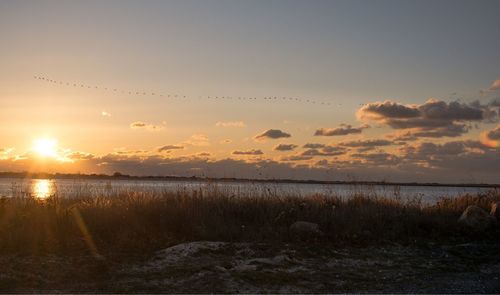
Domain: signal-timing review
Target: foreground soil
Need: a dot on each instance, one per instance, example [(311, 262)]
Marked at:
[(209, 267)]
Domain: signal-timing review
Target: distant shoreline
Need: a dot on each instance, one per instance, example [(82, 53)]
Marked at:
[(119, 176)]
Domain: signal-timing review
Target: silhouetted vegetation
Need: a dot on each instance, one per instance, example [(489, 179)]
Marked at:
[(144, 222)]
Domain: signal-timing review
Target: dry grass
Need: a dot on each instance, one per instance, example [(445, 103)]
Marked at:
[(141, 222)]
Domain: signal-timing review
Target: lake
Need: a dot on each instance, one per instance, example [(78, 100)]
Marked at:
[(43, 188)]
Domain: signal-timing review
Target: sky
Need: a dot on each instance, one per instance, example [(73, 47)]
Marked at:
[(365, 90)]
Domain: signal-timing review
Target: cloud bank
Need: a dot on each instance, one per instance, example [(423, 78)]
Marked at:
[(285, 147), (248, 153), (457, 161), (170, 147), (272, 134), (344, 129), (434, 118)]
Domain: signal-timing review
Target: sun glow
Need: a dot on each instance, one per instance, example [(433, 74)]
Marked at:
[(489, 142), (45, 147), (42, 189)]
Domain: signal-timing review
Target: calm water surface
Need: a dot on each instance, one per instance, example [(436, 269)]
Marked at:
[(43, 188)]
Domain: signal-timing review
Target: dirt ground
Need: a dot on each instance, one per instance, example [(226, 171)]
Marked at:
[(218, 267)]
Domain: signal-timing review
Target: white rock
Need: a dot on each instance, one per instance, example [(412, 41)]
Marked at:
[(173, 255)]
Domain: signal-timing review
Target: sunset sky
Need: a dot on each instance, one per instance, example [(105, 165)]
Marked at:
[(365, 90)]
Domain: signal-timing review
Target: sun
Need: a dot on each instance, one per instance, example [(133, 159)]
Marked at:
[(45, 147)]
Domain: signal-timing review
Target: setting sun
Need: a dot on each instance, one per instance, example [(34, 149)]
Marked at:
[(267, 146), (45, 147)]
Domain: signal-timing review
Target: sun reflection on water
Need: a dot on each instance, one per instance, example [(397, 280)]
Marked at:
[(42, 189)]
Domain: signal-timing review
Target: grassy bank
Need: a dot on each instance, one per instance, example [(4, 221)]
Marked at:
[(145, 222)]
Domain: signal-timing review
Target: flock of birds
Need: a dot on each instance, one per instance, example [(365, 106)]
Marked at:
[(179, 96)]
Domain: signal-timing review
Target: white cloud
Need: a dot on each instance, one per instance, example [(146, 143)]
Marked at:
[(237, 124)]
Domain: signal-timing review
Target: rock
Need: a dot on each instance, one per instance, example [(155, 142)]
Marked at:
[(476, 218), (176, 254), (304, 229), (495, 210)]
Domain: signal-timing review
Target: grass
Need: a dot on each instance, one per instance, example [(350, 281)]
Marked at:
[(47, 245), (139, 223)]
